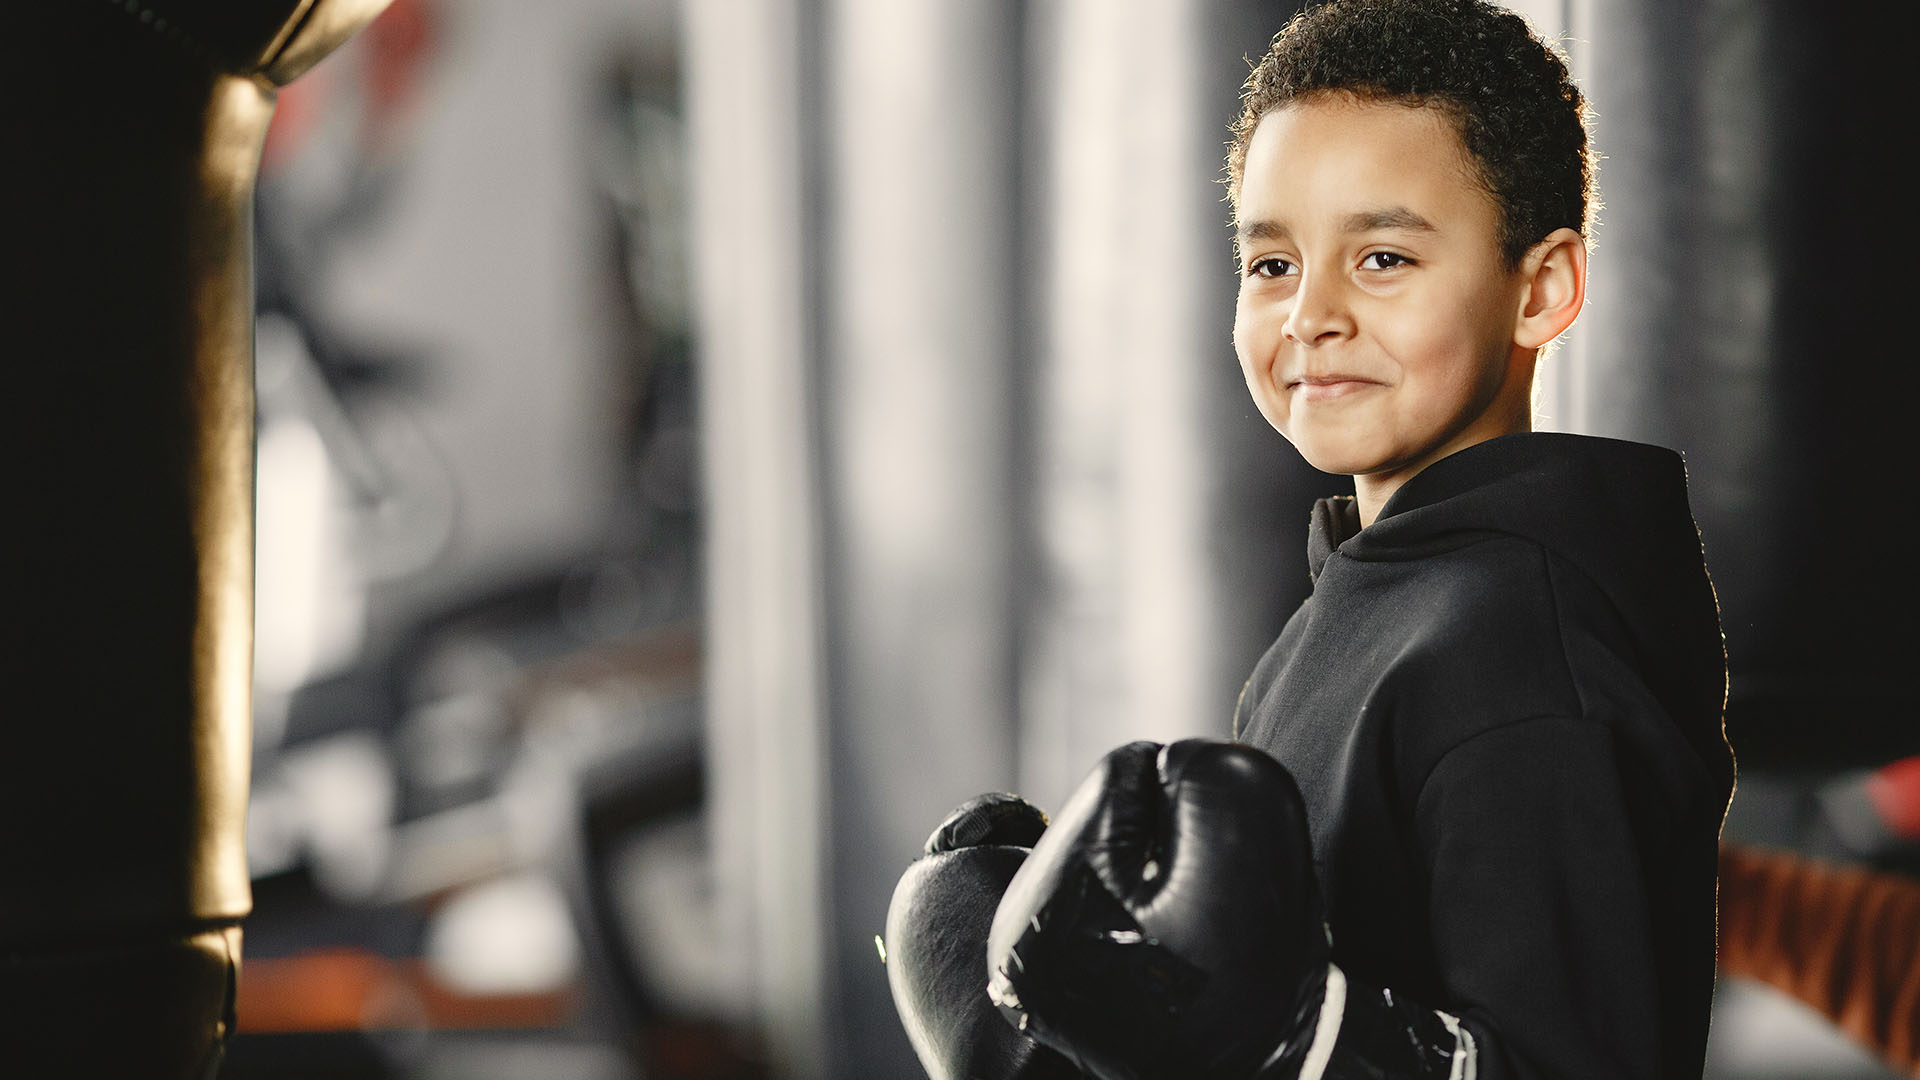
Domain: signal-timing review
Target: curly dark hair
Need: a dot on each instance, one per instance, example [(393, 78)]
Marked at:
[(1520, 116)]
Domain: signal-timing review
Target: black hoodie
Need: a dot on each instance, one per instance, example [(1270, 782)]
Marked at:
[(1503, 706)]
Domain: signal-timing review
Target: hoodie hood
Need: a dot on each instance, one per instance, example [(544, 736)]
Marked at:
[(1615, 511)]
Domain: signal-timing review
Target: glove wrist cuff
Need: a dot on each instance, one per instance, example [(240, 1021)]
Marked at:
[(1326, 1032), (1382, 1034), (1310, 1032)]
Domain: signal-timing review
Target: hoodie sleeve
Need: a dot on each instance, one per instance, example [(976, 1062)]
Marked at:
[(1539, 903)]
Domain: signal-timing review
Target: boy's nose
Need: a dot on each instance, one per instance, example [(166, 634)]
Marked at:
[(1319, 313)]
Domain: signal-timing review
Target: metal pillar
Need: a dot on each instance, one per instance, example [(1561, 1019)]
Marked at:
[(1170, 519), (919, 313), (766, 731)]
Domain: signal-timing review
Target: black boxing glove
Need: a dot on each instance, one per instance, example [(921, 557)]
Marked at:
[(1169, 925), (936, 945)]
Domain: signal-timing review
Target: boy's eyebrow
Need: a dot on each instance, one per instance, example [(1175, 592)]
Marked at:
[(1392, 217), (1262, 230)]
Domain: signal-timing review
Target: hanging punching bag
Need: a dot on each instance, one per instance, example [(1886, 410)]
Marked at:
[(133, 131), (1750, 307)]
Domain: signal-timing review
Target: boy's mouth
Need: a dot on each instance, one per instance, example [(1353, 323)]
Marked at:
[(1329, 387)]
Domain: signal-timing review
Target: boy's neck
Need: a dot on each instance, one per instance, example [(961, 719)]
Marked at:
[(1371, 491), (1367, 500)]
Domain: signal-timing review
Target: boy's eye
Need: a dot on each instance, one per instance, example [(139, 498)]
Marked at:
[(1271, 268), (1384, 260)]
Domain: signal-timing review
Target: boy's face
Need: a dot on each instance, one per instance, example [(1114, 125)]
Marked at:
[(1376, 319)]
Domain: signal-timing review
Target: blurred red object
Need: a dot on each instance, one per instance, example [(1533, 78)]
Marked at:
[(356, 990), (1894, 791), (395, 49)]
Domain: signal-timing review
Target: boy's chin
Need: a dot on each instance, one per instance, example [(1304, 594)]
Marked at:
[(1340, 461)]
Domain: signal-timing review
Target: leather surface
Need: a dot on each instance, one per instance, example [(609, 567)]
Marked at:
[(1168, 923), (937, 967), (1745, 137), (1383, 1034), (278, 39), (125, 746), (993, 818), (160, 1008)]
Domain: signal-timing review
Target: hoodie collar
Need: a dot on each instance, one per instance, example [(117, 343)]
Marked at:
[(1335, 521), (1561, 490)]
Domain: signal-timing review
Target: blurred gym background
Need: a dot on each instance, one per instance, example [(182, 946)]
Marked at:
[(701, 443)]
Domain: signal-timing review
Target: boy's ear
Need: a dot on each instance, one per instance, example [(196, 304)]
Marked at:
[(1555, 273)]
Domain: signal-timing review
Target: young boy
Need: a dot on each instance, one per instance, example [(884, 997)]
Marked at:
[(1501, 705), (1503, 701)]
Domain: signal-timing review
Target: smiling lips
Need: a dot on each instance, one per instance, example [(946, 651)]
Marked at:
[(1329, 387)]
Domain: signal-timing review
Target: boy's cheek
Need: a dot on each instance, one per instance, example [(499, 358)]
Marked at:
[(1255, 350), (1251, 341), (1265, 397)]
